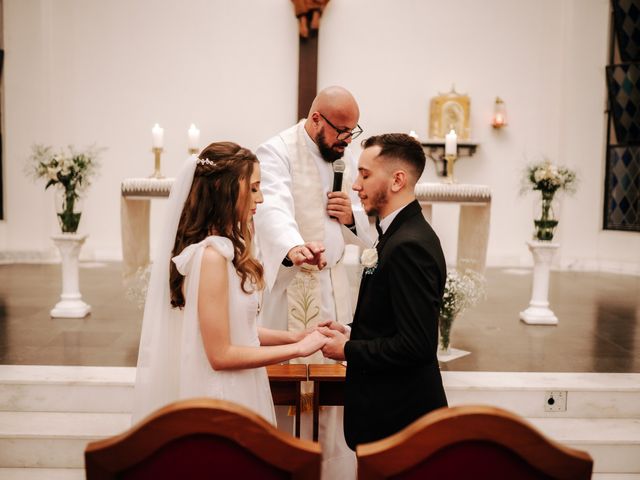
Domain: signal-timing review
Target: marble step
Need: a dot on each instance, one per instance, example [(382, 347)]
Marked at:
[(614, 443), (57, 440), (54, 439), (44, 474), (110, 389), (37, 388), (588, 395)]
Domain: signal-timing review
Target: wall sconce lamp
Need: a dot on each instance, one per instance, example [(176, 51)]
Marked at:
[(499, 114)]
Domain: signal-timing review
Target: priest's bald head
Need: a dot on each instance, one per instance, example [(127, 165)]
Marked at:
[(332, 122)]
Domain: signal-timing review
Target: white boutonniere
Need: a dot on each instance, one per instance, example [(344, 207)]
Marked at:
[(369, 260)]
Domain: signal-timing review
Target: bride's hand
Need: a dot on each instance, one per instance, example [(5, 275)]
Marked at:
[(300, 334), (311, 343)]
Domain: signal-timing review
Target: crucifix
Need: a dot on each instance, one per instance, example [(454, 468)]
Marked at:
[(308, 13)]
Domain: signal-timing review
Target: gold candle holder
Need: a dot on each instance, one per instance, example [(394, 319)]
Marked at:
[(193, 151), (157, 151), (448, 162)]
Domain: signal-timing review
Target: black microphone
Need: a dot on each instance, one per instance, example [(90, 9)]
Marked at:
[(338, 170)]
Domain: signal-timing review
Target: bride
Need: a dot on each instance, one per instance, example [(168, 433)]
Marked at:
[(199, 332)]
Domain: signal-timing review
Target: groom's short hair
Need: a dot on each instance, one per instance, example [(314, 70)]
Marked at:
[(402, 147)]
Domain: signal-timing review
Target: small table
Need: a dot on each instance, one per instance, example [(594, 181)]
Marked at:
[(285, 387), (328, 389)]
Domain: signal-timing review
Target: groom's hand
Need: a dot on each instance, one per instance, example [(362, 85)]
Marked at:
[(311, 253), (333, 325), (334, 348)]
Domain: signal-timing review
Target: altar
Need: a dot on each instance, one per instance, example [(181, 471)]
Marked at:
[(473, 225), (474, 222), (135, 211)]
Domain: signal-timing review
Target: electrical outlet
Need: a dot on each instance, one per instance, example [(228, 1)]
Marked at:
[(555, 401)]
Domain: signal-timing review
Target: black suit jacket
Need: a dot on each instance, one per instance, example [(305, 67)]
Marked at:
[(393, 376)]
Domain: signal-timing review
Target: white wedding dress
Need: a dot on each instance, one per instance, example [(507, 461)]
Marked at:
[(195, 376)]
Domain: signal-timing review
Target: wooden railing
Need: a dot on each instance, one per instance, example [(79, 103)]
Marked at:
[(328, 386)]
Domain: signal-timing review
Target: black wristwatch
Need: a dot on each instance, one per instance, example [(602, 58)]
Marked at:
[(287, 262)]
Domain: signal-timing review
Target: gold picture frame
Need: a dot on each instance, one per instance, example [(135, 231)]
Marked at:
[(449, 111)]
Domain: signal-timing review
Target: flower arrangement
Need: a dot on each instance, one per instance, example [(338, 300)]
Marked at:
[(461, 291), (71, 172), (548, 179)]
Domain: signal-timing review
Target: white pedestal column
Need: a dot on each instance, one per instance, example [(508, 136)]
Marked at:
[(539, 312), (70, 304)]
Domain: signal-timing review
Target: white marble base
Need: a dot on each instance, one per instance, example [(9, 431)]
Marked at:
[(538, 316), (70, 304), (538, 312), (70, 309), (452, 354)]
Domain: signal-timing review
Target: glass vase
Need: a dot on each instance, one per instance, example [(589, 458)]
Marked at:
[(68, 209), (444, 327), (547, 222)]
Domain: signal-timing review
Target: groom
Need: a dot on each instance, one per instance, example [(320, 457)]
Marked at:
[(393, 376)]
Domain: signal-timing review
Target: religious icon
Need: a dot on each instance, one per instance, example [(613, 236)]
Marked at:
[(449, 111)]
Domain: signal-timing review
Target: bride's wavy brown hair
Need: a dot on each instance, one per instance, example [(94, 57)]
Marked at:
[(219, 203)]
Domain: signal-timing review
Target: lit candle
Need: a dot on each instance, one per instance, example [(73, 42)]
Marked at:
[(158, 133), (450, 143), (413, 134), (194, 137)]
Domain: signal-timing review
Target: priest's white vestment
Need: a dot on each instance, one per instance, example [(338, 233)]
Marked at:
[(295, 182)]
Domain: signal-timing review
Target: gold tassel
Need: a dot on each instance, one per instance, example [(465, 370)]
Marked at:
[(306, 404)]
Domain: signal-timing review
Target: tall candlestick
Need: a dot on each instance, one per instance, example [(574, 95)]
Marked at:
[(158, 134), (194, 138), (450, 143)]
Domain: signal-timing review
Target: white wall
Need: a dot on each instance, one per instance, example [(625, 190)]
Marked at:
[(84, 71)]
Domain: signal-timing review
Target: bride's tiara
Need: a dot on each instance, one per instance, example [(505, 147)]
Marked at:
[(205, 161)]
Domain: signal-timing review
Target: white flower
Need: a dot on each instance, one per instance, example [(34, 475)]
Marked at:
[(52, 172), (369, 258)]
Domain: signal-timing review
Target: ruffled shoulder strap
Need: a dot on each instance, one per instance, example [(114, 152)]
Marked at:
[(222, 245)]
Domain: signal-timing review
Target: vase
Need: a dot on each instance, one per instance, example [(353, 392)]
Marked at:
[(68, 209), (444, 327), (547, 223)]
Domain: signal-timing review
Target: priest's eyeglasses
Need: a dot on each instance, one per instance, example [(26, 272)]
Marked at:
[(344, 133)]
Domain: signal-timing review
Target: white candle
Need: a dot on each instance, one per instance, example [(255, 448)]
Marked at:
[(413, 134), (158, 133), (194, 137), (450, 143)]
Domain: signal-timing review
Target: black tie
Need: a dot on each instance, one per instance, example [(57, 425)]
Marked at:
[(378, 227)]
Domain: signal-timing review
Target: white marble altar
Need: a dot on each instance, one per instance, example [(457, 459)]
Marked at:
[(474, 222), (135, 209)]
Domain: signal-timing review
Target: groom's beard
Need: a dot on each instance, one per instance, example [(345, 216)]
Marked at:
[(378, 201), (328, 153)]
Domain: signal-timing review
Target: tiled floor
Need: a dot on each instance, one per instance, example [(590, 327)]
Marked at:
[(599, 328)]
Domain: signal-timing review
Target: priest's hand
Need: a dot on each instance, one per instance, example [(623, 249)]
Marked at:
[(334, 348), (339, 207), (311, 253)]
